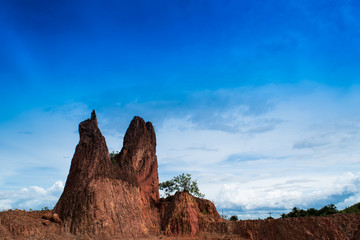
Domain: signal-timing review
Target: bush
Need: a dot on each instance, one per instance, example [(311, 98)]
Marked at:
[(233, 218), (311, 212), (113, 156), (352, 209), (181, 183)]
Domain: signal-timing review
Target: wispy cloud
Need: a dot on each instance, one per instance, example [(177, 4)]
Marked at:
[(307, 144)]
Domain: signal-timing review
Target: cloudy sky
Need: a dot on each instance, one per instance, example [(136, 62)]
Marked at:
[(258, 100)]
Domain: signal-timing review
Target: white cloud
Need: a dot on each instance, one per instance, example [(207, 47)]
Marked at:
[(311, 134), (34, 197), (5, 204), (285, 193)]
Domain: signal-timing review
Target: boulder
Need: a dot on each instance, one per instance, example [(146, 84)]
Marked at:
[(55, 218)]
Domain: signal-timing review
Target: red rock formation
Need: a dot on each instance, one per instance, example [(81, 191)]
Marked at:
[(137, 158), (186, 215), (104, 199)]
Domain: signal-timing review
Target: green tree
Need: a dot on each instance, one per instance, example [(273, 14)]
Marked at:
[(352, 209), (180, 183), (328, 210), (311, 212), (233, 218), (113, 156)]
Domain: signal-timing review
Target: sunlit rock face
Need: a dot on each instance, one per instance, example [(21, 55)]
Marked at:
[(112, 198)]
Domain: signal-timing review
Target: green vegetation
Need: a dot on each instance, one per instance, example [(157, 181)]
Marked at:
[(352, 209), (182, 182), (113, 156), (311, 212), (233, 218)]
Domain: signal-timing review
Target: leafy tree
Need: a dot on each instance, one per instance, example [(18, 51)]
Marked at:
[(182, 182), (352, 209), (311, 212), (233, 218), (328, 210)]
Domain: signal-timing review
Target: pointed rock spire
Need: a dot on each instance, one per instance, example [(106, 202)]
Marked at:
[(93, 117), (138, 156)]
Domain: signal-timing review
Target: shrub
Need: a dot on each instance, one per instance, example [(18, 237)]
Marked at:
[(181, 183), (233, 218)]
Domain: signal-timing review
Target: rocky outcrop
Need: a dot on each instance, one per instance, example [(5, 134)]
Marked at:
[(137, 159), (186, 215), (104, 199)]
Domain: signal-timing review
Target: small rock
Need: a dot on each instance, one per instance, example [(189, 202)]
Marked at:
[(55, 218)]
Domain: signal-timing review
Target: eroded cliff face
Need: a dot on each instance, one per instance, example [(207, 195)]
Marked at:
[(186, 215), (104, 199), (137, 159)]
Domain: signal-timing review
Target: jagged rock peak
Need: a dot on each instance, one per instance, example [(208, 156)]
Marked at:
[(137, 159), (140, 133), (93, 116), (89, 127)]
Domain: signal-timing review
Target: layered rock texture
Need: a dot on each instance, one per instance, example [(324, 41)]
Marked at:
[(186, 215), (118, 198), (107, 198)]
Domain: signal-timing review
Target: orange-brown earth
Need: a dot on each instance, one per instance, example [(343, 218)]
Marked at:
[(119, 199)]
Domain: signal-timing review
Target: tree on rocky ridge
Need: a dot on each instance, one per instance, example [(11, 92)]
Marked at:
[(181, 183)]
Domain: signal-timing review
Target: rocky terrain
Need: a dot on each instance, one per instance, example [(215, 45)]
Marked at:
[(118, 198)]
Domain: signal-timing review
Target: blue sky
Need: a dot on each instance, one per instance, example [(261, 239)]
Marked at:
[(258, 100)]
